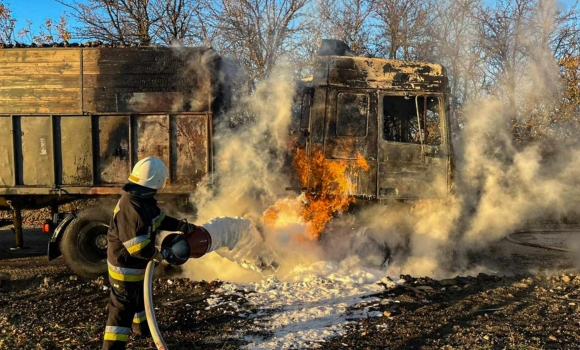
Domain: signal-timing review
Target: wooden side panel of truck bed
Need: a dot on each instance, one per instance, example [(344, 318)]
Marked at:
[(75, 120), (37, 81)]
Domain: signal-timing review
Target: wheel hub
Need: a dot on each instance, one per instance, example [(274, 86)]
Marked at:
[(93, 241), (101, 241)]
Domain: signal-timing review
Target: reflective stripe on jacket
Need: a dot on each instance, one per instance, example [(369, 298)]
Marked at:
[(114, 333)]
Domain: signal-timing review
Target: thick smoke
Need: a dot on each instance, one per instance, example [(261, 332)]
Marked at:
[(500, 186), (249, 157), (250, 175)]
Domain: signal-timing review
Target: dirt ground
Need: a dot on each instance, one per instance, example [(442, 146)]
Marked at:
[(44, 306)]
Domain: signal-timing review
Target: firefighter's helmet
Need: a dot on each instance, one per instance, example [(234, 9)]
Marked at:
[(149, 172)]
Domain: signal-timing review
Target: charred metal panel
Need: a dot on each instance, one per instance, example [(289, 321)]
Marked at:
[(393, 187), (153, 137), (315, 141), (191, 153), (361, 72), (318, 117), (150, 101), (338, 142), (7, 176), (400, 153), (76, 151), (360, 182), (410, 171), (345, 147), (410, 181), (339, 146), (367, 181), (37, 151), (412, 160), (149, 79), (114, 162), (320, 75)]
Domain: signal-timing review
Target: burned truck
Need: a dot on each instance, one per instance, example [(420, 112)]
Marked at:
[(75, 120), (391, 114)]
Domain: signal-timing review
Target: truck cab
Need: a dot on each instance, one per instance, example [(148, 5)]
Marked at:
[(393, 114)]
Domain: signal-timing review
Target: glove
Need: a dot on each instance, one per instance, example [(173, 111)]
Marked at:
[(158, 257), (185, 227)]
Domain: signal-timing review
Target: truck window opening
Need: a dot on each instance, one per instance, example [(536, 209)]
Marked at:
[(400, 122), (352, 114)]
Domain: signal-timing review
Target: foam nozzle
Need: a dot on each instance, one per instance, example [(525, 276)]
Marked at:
[(178, 248), (175, 249)]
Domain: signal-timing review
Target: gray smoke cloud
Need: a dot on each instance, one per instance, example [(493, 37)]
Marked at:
[(249, 158), (249, 173), (500, 186)]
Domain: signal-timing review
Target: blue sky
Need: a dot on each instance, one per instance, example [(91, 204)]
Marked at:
[(36, 10), (39, 10)]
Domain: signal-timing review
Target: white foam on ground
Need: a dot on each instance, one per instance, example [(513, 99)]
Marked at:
[(304, 303), (309, 304)]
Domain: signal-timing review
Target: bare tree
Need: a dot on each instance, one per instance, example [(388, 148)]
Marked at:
[(186, 22), (403, 25), (6, 24), (258, 32), (349, 21), (546, 107), (117, 21), (454, 37), (565, 123), (556, 28), (204, 23), (504, 30), (50, 31), (517, 36)]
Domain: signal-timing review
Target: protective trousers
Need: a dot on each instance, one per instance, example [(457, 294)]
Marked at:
[(126, 313)]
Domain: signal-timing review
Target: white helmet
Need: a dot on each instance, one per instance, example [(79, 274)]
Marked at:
[(149, 172)]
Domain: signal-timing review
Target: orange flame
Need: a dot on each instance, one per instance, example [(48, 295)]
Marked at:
[(361, 162), (330, 184)]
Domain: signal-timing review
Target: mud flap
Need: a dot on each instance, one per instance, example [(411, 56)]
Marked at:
[(54, 243)]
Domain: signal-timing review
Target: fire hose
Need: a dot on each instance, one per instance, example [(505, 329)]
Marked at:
[(149, 310), (177, 248), (510, 238)]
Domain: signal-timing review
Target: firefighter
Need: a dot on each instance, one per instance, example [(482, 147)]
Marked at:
[(131, 245)]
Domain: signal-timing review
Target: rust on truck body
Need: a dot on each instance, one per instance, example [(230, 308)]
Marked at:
[(44, 154)]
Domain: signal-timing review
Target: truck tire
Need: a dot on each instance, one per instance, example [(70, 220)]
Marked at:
[(84, 243)]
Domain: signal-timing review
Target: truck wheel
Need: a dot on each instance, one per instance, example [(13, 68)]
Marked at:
[(84, 243)]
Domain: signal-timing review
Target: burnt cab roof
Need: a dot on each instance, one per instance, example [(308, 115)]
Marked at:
[(379, 73)]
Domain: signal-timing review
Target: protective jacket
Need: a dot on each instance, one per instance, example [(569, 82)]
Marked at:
[(131, 244), (132, 232)]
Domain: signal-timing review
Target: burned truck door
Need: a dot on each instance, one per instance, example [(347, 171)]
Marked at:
[(413, 149), (351, 137), (301, 119)]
